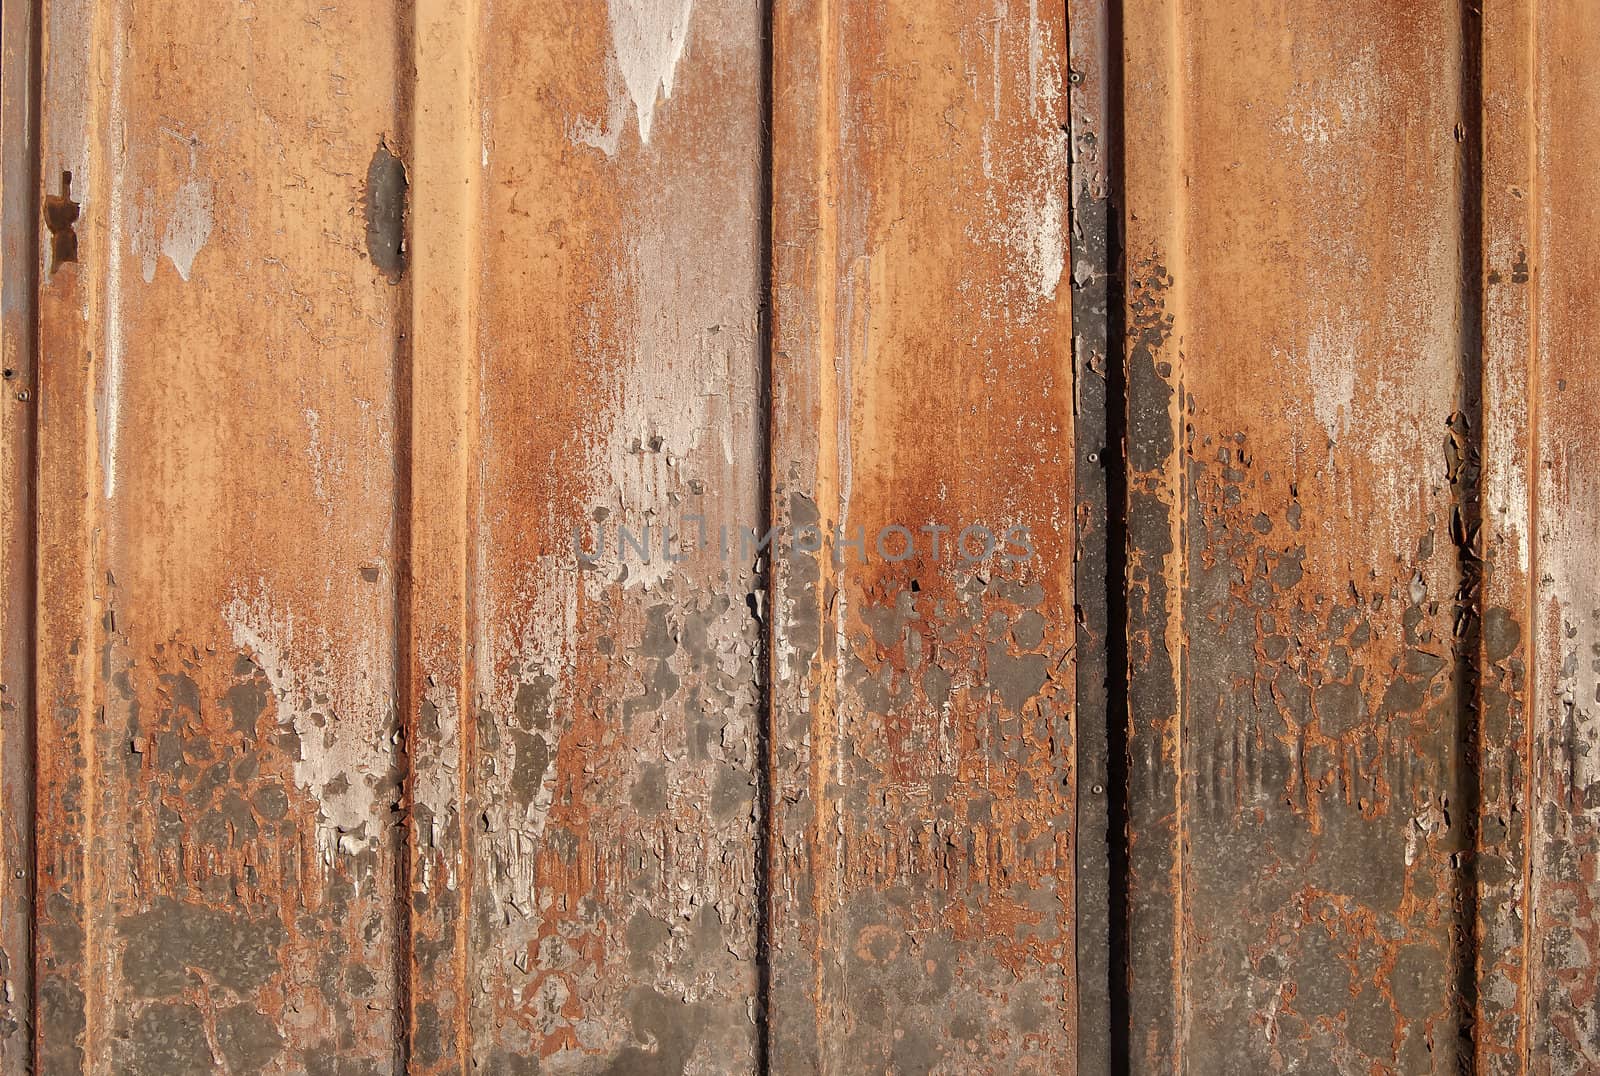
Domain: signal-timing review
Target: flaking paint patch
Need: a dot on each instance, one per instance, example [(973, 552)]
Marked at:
[(1034, 233), (1572, 597), (648, 37), (675, 391), (437, 784), (606, 137), (539, 626), (316, 456), (1330, 364), (1047, 243), (335, 704), (188, 225), (1507, 497), (1026, 216)]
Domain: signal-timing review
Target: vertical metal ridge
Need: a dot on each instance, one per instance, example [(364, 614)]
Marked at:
[(20, 214), (923, 370), (1530, 596), (69, 974), (404, 389), (1557, 274), (1507, 688), (444, 190), (800, 95)]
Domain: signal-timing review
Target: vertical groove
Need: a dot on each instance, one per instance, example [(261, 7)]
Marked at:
[(102, 305), (766, 718), (1099, 734), (1118, 712), (404, 615), (1466, 484), (1177, 619)]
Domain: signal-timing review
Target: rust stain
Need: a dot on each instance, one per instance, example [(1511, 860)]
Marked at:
[(486, 573), (922, 838)]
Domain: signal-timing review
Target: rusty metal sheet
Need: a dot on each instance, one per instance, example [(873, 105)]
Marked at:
[(346, 762), (1303, 511), (19, 230), (1539, 244), (923, 792), (1304, 412), (216, 770), (1360, 661), (488, 504), (586, 234)]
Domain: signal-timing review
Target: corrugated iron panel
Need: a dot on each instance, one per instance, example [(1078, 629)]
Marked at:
[(922, 855), (586, 234), (1305, 415), (484, 573), (217, 767), (1546, 366), (1359, 684)]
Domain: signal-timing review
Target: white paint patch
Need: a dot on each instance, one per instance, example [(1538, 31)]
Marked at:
[(1425, 827), (188, 225), (648, 37), (606, 137), (1047, 245), (1035, 234), (1330, 364), (678, 388), (1570, 589), (438, 781), (1035, 54), (110, 416), (336, 703), (1507, 504), (318, 461), (1029, 219)]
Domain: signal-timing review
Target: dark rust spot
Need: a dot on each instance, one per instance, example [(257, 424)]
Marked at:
[(386, 212), (61, 217)]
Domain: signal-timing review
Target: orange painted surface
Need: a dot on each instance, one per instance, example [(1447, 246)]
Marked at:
[(816, 536)]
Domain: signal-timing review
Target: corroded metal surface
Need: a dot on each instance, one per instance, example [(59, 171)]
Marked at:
[(1543, 263), (1361, 669), (600, 749), (217, 774), (922, 854), (18, 388), (489, 578), (1302, 455)]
